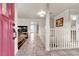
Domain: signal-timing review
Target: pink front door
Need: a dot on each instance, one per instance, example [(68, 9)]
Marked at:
[(6, 31)]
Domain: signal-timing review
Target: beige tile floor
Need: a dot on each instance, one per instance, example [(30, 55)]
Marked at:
[(31, 51), (36, 48)]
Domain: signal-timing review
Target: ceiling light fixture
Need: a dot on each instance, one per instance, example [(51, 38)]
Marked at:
[(73, 17), (41, 13)]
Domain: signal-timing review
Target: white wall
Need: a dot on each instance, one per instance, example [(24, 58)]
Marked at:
[(16, 39), (27, 22), (76, 13), (63, 33), (77, 27), (52, 23)]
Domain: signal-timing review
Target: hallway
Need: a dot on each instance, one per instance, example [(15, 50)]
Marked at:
[(50, 32), (32, 45)]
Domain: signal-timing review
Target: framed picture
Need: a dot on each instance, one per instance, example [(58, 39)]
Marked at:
[(59, 22)]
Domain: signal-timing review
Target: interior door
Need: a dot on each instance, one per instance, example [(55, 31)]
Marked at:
[(4, 36), (6, 32), (0, 37)]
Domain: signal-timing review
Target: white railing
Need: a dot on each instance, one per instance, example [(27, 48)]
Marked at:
[(63, 38)]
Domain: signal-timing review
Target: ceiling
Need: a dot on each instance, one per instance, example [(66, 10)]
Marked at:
[(29, 10)]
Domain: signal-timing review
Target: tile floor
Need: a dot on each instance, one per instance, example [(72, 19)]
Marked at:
[(35, 48), (31, 51)]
